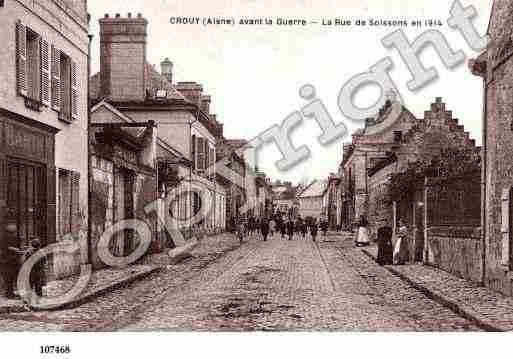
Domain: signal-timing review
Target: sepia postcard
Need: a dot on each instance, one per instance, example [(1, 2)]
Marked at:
[(186, 176)]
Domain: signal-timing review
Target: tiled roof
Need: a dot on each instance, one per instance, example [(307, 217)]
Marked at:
[(316, 189), (155, 82)]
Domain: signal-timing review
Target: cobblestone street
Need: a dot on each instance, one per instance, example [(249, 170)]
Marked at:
[(274, 285)]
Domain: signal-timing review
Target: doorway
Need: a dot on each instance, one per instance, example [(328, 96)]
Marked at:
[(26, 201)]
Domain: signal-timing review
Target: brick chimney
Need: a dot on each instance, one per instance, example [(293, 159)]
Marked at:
[(191, 90), (123, 57), (166, 68), (205, 103)]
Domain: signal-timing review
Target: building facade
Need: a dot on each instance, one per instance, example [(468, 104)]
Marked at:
[(311, 203), (43, 126), (495, 66), (184, 130)]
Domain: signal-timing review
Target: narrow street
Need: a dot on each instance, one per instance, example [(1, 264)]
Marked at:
[(274, 285)]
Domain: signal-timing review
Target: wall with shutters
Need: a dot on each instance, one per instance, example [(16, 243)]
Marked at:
[(66, 33)]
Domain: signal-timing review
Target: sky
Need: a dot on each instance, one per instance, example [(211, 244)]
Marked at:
[(254, 73)]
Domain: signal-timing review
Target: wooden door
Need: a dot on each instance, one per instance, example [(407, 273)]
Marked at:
[(26, 201)]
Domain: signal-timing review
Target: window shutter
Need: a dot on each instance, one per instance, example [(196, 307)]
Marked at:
[(21, 59), (45, 72), (74, 91), (193, 152), (75, 202), (199, 149), (51, 208), (505, 217), (3, 184), (207, 160), (56, 79), (211, 161)]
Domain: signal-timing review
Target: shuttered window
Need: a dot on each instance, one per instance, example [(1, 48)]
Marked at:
[(56, 79), (65, 87), (193, 152), (69, 210), (505, 226), (28, 63), (45, 72), (21, 59), (45, 75), (200, 149)]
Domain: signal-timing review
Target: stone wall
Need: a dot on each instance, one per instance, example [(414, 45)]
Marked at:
[(456, 250)]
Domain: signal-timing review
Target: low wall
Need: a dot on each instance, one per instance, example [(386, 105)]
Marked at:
[(456, 250)]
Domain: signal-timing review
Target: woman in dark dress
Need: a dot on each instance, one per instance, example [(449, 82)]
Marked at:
[(385, 248), (264, 228), (290, 228), (283, 228), (302, 227), (313, 229)]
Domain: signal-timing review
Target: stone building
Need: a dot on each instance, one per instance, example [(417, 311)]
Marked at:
[(495, 66), (370, 145), (43, 127), (443, 216), (124, 176), (184, 129), (264, 196), (236, 194), (330, 201), (311, 200), (284, 198)]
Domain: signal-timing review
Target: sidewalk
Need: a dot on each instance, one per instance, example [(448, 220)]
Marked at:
[(102, 281), (489, 310), (105, 280)]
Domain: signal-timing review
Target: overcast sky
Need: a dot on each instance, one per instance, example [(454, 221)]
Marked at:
[(254, 73)]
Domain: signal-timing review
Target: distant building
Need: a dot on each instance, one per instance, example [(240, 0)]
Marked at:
[(310, 200), (331, 202), (284, 198)]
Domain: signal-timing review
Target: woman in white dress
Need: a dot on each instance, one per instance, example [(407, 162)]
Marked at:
[(401, 251), (362, 237)]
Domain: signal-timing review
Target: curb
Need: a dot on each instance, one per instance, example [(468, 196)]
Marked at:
[(461, 309), (21, 308)]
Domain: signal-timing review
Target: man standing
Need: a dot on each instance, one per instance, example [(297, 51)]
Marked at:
[(10, 265), (324, 228), (264, 228), (313, 229), (290, 228)]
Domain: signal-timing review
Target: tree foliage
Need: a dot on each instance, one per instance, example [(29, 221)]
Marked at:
[(449, 164)]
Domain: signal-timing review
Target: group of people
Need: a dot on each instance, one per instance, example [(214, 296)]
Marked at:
[(392, 249), (278, 226)]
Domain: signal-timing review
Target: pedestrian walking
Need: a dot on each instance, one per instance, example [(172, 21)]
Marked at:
[(401, 251), (283, 229), (290, 229), (313, 229), (239, 231), (272, 227), (362, 236), (385, 248), (264, 228), (324, 228), (302, 227)]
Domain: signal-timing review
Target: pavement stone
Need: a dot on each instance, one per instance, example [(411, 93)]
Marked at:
[(490, 310), (258, 286), (299, 285)]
